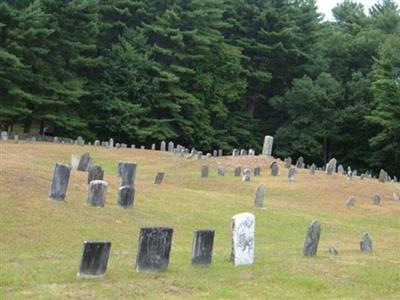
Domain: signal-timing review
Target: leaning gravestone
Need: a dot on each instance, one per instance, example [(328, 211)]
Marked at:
[(274, 169), (366, 243), (59, 184), (376, 200), (84, 162), (382, 175), (257, 171), (204, 171), (202, 247), (126, 196), (154, 249), (95, 173), (246, 175), (243, 241), (312, 239), (292, 174), (260, 195), (97, 193), (267, 147), (288, 162), (300, 162), (351, 201), (238, 171), (127, 172), (94, 259), (159, 178), (4, 135), (312, 169), (331, 166)]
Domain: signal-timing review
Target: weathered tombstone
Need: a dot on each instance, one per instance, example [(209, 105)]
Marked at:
[(349, 174), (97, 193), (243, 240), (127, 172), (300, 162), (163, 146), (366, 243), (312, 169), (234, 152), (312, 239), (332, 250), (340, 169), (75, 161), (170, 146), (80, 141), (154, 249), (4, 135), (243, 152), (204, 171), (159, 178), (331, 166), (84, 162), (220, 170), (267, 146), (208, 155), (376, 200), (257, 171), (274, 169), (153, 147), (382, 175), (260, 195), (111, 143), (351, 201), (142, 147), (202, 247), (355, 173), (95, 173), (96, 143), (252, 152), (396, 196), (59, 184), (238, 171), (124, 145), (220, 152), (292, 174), (16, 137), (94, 259), (215, 153), (126, 196), (288, 162), (133, 146), (199, 154), (246, 175), (55, 139)]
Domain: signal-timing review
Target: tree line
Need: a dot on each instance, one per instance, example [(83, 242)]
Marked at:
[(208, 74)]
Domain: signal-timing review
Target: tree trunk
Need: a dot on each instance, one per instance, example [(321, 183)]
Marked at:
[(27, 125), (41, 130)]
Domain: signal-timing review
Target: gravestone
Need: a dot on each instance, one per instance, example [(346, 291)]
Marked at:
[(220, 170), (84, 162), (260, 195), (215, 153), (170, 146), (292, 174), (396, 196), (204, 171), (95, 173), (351, 201), (59, 184), (97, 193), (199, 154), (376, 200), (288, 162), (382, 175), (243, 152), (126, 196), (220, 152), (331, 166), (274, 169), (355, 173), (252, 152), (94, 259), (96, 143), (163, 146), (340, 169), (312, 239), (111, 143), (55, 139), (246, 175), (300, 162), (366, 243), (243, 239), (133, 146), (117, 145), (154, 249), (75, 159), (153, 147), (80, 141), (127, 172), (16, 137), (312, 169), (4, 135), (267, 146), (202, 247), (159, 178), (349, 174), (124, 145), (332, 250), (257, 171), (142, 147), (234, 152), (238, 171)]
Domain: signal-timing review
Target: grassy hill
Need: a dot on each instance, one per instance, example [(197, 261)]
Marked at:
[(41, 240)]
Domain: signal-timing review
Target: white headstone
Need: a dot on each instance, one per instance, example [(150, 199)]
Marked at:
[(243, 229), (267, 147)]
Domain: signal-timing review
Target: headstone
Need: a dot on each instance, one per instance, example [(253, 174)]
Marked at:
[(246, 175), (154, 249), (59, 184), (332, 250), (312, 169), (396, 196), (274, 169), (376, 200), (234, 152), (170, 146), (215, 153), (257, 171), (382, 175), (84, 162), (355, 173), (75, 159), (260, 195), (80, 141), (340, 169), (124, 145), (351, 201), (199, 154), (204, 171), (142, 147), (55, 139), (159, 178), (95, 173), (94, 259), (111, 143), (127, 172), (331, 166), (292, 174), (208, 155), (312, 239), (220, 152), (96, 143), (243, 239), (288, 162), (252, 152), (4, 135), (163, 146), (300, 162), (220, 170), (16, 137), (349, 174), (133, 146), (243, 152), (153, 147), (126, 196), (117, 145), (97, 193), (238, 171), (366, 243), (267, 147), (202, 247)]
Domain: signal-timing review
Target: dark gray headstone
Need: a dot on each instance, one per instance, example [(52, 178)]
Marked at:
[(159, 178), (260, 195), (300, 162), (238, 171), (59, 184), (257, 171), (366, 243), (95, 173), (292, 174), (332, 250), (288, 162), (84, 162), (97, 193), (94, 259), (127, 172), (351, 201), (202, 247), (204, 171), (220, 170), (126, 196), (376, 200), (154, 249), (274, 169), (312, 239)]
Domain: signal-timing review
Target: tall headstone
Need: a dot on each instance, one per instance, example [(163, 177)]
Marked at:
[(202, 247), (300, 162), (97, 193), (243, 239), (80, 141), (376, 200), (288, 162), (163, 146), (204, 171), (215, 153), (274, 169), (246, 175), (126, 196), (154, 249), (59, 184), (127, 172), (260, 195), (170, 146), (351, 201), (94, 259), (268, 143), (312, 239), (331, 166), (292, 174), (95, 173), (366, 243), (85, 162), (238, 171), (159, 178)]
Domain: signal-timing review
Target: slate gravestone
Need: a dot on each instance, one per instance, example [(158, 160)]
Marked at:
[(312, 239), (243, 240), (220, 170), (292, 174), (202, 247), (95, 173), (288, 162), (246, 175), (170, 146), (127, 172), (396, 196), (204, 171), (274, 169), (331, 166), (97, 193), (159, 178), (126, 196), (267, 146), (366, 243), (75, 161), (260, 195), (94, 259), (154, 249), (59, 184), (351, 201), (163, 146), (332, 250), (300, 162), (340, 169), (84, 162), (312, 169), (4, 135), (376, 200), (382, 175), (257, 171), (238, 171)]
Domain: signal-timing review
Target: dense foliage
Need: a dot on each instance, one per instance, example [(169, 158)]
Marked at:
[(208, 73)]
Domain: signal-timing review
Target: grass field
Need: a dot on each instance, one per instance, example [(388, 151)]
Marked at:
[(41, 240)]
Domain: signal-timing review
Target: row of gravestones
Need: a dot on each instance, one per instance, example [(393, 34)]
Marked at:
[(376, 199)]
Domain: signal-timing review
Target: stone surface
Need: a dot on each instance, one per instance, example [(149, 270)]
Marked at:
[(59, 184), (292, 172), (111, 143), (267, 147), (259, 198), (4, 135), (366, 243), (154, 249), (257, 171), (94, 259), (331, 166), (351, 201), (126, 196), (159, 178), (376, 200), (153, 146), (288, 162), (220, 170), (163, 146), (274, 169), (204, 171), (127, 172), (238, 171), (313, 167), (215, 153), (340, 169), (333, 251), (246, 175), (382, 175), (243, 239), (312, 239), (202, 247), (170, 146), (84, 162), (396, 196), (95, 173), (80, 141), (97, 193), (220, 152), (75, 161), (300, 162)]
